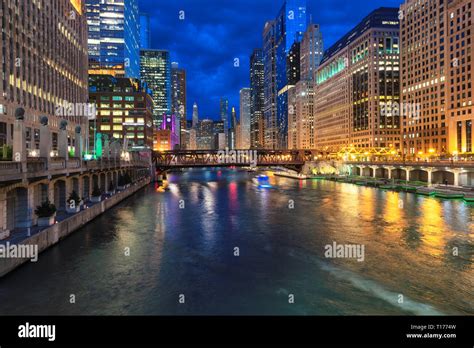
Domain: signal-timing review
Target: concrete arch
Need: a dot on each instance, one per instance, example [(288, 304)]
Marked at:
[(381, 173), (60, 195), (95, 180), (399, 174), (103, 182), (466, 179), (367, 171), (442, 177), (86, 186), (17, 208), (418, 174), (75, 185)]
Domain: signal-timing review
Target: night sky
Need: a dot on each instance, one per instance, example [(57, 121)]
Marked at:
[(215, 32)]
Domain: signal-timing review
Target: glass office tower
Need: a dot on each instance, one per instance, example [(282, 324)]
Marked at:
[(113, 37), (155, 70)]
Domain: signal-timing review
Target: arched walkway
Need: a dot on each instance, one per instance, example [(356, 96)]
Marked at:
[(442, 176), (419, 175), (17, 208), (60, 195)]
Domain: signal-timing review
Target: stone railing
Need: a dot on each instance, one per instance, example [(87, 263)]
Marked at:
[(8, 168)]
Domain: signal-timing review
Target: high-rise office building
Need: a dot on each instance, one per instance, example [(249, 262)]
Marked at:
[(36, 77), (270, 87), (145, 31), (257, 99), (279, 37), (305, 125), (155, 68), (232, 135), (195, 115), (178, 96), (114, 37), (311, 51), (224, 115), (205, 135), (436, 77), (358, 86), (124, 110), (245, 118)]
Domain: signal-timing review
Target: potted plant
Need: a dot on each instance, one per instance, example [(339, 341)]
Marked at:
[(73, 204), (121, 183), (96, 194), (111, 189), (46, 213)]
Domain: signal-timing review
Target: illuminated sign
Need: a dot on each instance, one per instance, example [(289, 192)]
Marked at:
[(77, 5)]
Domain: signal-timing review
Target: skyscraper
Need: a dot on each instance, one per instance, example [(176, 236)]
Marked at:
[(178, 96), (257, 99), (114, 37), (145, 33), (155, 68), (279, 36), (270, 87), (232, 136), (354, 102), (47, 78), (224, 114), (311, 51), (245, 118), (436, 77), (195, 115)]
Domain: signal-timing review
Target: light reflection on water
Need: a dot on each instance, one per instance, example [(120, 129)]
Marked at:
[(175, 250)]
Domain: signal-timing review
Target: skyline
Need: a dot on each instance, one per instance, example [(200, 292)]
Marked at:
[(215, 61)]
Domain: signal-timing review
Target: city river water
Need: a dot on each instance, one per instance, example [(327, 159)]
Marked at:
[(231, 248)]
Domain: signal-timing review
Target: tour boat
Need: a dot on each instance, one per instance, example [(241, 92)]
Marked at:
[(262, 181)]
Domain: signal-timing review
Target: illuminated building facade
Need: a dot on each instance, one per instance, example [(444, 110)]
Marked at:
[(178, 97), (437, 76), (155, 69), (35, 76), (245, 118), (114, 37), (168, 136), (311, 52), (358, 87), (257, 99), (124, 110)]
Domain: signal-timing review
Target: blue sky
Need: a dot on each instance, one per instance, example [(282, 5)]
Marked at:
[(215, 32)]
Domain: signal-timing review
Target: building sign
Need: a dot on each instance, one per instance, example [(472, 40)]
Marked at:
[(77, 5)]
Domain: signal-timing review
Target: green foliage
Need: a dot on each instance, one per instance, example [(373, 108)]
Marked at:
[(96, 192), (74, 197), (45, 210)]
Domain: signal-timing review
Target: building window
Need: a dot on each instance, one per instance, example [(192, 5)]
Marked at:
[(468, 136), (459, 136)]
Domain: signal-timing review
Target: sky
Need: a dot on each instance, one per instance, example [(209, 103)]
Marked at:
[(214, 33)]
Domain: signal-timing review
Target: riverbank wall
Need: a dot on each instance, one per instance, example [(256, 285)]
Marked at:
[(54, 234)]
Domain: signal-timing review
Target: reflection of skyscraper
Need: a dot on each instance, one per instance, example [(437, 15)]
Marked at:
[(178, 96), (257, 99), (245, 118), (155, 67), (195, 116), (114, 37), (145, 35)]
